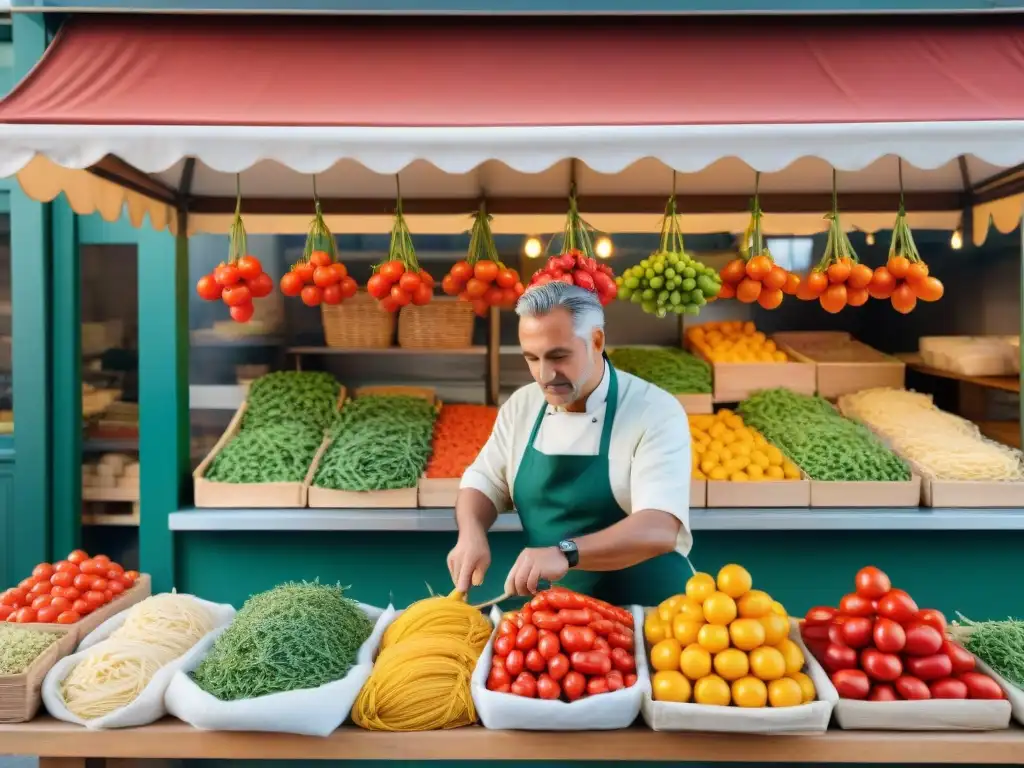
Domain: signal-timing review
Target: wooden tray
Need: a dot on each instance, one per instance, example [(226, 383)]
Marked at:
[(763, 493), (210, 494), (21, 695), (438, 491), (696, 404), (867, 493), (698, 493), (836, 378), (734, 382)]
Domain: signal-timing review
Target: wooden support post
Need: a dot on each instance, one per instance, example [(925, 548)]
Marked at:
[(66, 317), (493, 355), (163, 396)]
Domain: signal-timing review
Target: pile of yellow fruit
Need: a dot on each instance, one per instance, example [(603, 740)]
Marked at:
[(734, 341), (725, 643), (724, 448)]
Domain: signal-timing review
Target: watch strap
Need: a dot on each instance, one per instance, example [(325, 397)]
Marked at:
[(572, 554)]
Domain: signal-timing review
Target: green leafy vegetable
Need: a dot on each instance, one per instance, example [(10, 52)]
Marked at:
[(819, 440), (674, 370), (273, 453), (292, 396), (292, 637), (379, 442), (20, 647), (1000, 644)]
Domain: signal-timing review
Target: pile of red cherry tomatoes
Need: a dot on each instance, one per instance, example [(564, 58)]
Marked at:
[(236, 283), (321, 280), (484, 283), (64, 592)]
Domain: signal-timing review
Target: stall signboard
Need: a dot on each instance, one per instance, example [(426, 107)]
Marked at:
[(589, 7)]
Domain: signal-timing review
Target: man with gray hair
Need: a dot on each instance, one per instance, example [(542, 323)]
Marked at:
[(595, 461)]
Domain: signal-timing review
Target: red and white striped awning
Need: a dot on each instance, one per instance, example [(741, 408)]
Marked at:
[(502, 108)]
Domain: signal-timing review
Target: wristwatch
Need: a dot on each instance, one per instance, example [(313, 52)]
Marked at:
[(568, 548)]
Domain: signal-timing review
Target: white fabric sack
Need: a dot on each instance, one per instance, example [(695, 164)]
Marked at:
[(926, 715), (607, 711), (1013, 693), (805, 718), (308, 712), (149, 706)]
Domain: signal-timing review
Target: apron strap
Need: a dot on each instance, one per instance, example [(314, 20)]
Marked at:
[(611, 406)]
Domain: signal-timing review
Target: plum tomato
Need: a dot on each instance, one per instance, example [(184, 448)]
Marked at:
[(889, 636), (981, 686), (872, 583), (851, 683), (855, 605), (929, 668), (948, 688), (884, 667), (962, 659), (911, 689), (856, 631), (839, 657), (932, 618), (883, 692), (922, 640), (898, 606)]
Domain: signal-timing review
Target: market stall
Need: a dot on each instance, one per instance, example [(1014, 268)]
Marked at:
[(327, 103)]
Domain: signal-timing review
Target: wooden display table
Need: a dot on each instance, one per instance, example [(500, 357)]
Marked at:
[(67, 746)]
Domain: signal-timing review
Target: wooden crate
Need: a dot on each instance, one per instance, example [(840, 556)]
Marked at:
[(866, 494), (734, 382), (867, 368), (966, 494), (21, 695), (762, 493), (216, 495), (399, 498), (698, 493), (696, 404), (436, 492)]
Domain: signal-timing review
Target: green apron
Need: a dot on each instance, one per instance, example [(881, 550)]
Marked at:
[(562, 497)]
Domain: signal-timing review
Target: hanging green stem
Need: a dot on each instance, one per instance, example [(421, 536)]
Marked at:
[(319, 237), (481, 239), (902, 239), (237, 246), (838, 245), (577, 233), (401, 248), (671, 228)]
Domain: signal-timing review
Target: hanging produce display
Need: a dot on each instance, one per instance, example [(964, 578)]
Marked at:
[(724, 643), (482, 278), (878, 645), (319, 278), (839, 279), (241, 278), (577, 264), (563, 645), (823, 444), (755, 277), (670, 279), (400, 281), (904, 279)]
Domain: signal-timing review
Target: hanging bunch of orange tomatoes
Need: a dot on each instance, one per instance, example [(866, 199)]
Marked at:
[(319, 278), (904, 279), (839, 279), (755, 277), (481, 278), (240, 279), (399, 281)]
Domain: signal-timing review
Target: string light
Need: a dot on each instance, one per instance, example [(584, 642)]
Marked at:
[(869, 238), (532, 248), (956, 240), (603, 247)]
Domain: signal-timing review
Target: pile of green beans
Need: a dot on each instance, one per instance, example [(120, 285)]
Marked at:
[(675, 371)]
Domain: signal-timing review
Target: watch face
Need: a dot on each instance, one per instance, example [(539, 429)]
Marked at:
[(567, 546)]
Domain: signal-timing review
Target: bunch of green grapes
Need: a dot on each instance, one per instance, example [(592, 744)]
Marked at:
[(669, 282)]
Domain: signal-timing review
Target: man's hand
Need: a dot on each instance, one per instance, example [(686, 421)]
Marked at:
[(469, 560), (534, 564)]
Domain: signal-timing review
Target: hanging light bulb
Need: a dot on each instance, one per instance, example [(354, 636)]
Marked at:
[(532, 248), (956, 240), (603, 247), (869, 238)]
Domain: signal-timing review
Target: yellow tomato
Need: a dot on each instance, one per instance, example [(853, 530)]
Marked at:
[(775, 473), (806, 686), (695, 662), (700, 587), (785, 692), (656, 630), (719, 608), (754, 604), (670, 685), (692, 610), (776, 628), (734, 580), (767, 663), (779, 608), (718, 473), (711, 690), (714, 637), (793, 655), (665, 655), (685, 630), (731, 664), (789, 469), (670, 607), (749, 692), (746, 634)]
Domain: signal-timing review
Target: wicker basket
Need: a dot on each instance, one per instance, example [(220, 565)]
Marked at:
[(358, 323), (444, 323)]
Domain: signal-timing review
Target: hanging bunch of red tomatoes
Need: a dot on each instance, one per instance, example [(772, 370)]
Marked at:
[(904, 279), (577, 265), (481, 278), (239, 280), (755, 277), (400, 280), (320, 277)]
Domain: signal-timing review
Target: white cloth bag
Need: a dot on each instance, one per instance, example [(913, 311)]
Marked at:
[(805, 718), (607, 711), (308, 712), (149, 706)]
